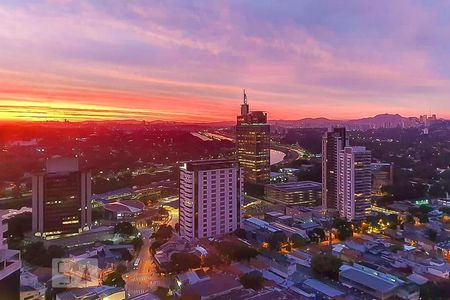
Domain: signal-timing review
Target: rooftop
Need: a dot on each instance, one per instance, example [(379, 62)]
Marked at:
[(210, 164), (214, 286), (296, 186), (323, 288), (126, 206), (366, 279)]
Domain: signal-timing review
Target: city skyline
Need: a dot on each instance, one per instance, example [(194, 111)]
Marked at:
[(181, 61)]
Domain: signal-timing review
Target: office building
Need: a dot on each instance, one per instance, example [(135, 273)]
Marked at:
[(354, 183), (253, 144), (382, 175), (61, 199), (332, 143), (304, 193), (10, 265), (211, 195)]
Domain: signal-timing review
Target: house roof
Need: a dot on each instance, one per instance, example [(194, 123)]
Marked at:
[(215, 285), (323, 288), (366, 279)]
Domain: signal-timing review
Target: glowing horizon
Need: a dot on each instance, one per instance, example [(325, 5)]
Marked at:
[(189, 61)]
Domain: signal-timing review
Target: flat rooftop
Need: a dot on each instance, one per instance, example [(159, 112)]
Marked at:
[(210, 164), (365, 279), (296, 186), (323, 288)]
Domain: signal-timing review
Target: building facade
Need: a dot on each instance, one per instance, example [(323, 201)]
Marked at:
[(61, 199), (382, 175), (354, 183), (304, 193), (10, 264), (253, 144), (211, 196), (332, 143)]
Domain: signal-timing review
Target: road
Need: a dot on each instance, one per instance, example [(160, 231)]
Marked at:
[(145, 278)]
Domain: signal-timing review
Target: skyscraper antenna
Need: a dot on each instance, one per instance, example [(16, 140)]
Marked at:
[(245, 97)]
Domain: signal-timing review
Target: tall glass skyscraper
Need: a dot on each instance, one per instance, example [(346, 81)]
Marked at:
[(253, 144)]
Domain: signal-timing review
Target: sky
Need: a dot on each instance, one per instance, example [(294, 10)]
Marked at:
[(190, 60)]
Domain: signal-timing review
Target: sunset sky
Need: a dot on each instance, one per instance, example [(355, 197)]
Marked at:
[(189, 60)]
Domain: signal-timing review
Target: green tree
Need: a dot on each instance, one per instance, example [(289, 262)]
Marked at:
[(326, 265), (252, 280), (445, 210), (125, 228), (162, 292), (276, 239), (212, 260), (236, 251), (240, 233), (55, 251), (317, 235), (431, 234), (155, 245), (114, 279), (409, 219), (164, 232), (298, 240), (184, 261), (126, 255), (435, 290), (137, 243), (344, 229), (35, 253)]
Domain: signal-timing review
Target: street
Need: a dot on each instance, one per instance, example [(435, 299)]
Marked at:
[(145, 277)]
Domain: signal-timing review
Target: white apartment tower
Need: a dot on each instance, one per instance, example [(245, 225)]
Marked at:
[(333, 142), (211, 196), (354, 183)]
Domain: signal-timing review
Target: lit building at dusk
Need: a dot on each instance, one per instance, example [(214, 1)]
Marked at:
[(332, 143), (61, 199), (304, 193), (354, 183), (211, 195), (382, 175), (10, 264), (253, 144)]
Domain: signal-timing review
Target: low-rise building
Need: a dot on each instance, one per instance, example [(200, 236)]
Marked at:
[(123, 209), (305, 193), (10, 264), (318, 287), (217, 285), (377, 284)]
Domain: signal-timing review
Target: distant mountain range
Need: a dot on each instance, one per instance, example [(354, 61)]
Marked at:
[(378, 121)]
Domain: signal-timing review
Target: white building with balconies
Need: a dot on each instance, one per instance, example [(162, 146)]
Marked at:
[(211, 195)]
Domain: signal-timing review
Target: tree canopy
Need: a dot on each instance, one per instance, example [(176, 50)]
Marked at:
[(236, 251), (326, 265), (252, 280), (344, 229), (182, 262), (35, 253), (125, 228), (298, 240), (164, 232), (276, 240)]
